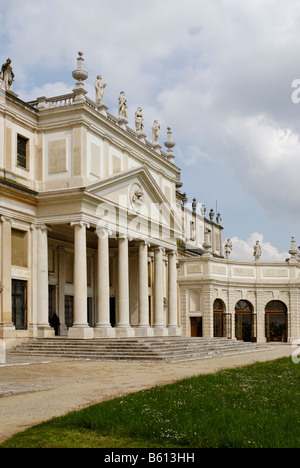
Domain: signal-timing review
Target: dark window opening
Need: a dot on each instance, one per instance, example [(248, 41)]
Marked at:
[(22, 152)]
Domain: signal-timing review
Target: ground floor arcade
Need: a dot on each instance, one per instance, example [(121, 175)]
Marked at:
[(248, 301), (96, 283)]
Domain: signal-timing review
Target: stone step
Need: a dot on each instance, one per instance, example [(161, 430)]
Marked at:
[(137, 349)]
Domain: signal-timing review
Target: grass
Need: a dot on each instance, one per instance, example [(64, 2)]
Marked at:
[(254, 406)]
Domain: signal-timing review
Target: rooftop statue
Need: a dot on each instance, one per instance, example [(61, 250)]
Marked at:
[(228, 248), (99, 87), (7, 75), (122, 106), (139, 120), (155, 133), (257, 251)]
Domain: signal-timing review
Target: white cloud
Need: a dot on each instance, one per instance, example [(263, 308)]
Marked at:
[(243, 250), (48, 90), (218, 72)]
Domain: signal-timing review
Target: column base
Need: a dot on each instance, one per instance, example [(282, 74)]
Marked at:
[(63, 330), (261, 340), (160, 331), (104, 332), (45, 332), (143, 331), (124, 332), (83, 333), (7, 330), (174, 331)]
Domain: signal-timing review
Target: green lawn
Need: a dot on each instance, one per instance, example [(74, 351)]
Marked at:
[(255, 406)]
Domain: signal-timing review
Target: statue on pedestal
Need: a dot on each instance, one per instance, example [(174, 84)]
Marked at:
[(122, 106), (7, 75), (155, 133), (139, 120), (257, 251), (99, 87), (228, 248)]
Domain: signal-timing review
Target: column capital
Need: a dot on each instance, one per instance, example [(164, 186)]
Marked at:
[(4, 219), (125, 236), (42, 227), (159, 249), (173, 253), (144, 243), (103, 232), (80, 223)]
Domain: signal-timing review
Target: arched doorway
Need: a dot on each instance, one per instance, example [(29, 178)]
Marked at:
[(276, 322), (222, 321), (245, 321)]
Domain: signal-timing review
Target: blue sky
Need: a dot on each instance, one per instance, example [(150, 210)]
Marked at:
[(219, 72)]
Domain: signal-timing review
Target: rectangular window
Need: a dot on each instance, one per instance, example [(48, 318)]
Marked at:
[(22, 152)]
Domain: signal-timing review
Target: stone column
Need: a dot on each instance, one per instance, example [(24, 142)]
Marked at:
[(159, 325), (80, 327), (63, 331), (103, 326), (123, 327), (5, 279), (143, 296), (43, 328), (172, 295)]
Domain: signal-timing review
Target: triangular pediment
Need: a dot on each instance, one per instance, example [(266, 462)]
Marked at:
[(136, 195)]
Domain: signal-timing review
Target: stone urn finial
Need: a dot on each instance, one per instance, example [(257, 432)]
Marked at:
[(80, 74)]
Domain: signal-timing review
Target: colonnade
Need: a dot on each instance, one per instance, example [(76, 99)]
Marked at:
[(38, 317), (123, 326)]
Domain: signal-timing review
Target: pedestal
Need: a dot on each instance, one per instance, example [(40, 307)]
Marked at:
[(102, 109), (142, 137), (122, 121)]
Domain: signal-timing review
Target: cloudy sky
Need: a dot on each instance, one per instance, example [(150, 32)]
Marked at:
[(219, 72)]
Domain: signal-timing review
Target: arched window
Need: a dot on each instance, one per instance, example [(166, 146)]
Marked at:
[(219, 306), (222, 323), (276, 321), (244, 306), (245, 321)]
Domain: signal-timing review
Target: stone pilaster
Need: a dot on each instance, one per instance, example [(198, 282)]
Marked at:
[(172, 295), (43, 328), (6, 325)]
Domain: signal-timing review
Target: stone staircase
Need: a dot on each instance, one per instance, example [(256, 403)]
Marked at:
[(165, 349)]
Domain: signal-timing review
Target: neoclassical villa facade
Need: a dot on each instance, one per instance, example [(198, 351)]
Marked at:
[(96, 230)]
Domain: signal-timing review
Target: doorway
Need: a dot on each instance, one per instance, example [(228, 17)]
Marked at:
[(245, 322), (196, 327), (276, 322), (219, 311), (19, 304)]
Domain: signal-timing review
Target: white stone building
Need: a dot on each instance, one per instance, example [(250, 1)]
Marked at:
[(94, 228)]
